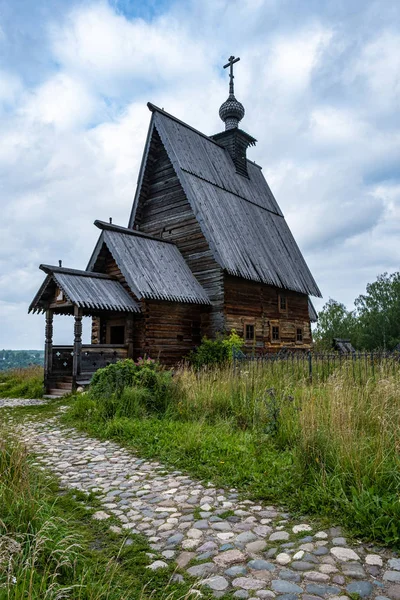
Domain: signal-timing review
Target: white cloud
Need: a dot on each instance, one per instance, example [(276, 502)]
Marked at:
[(323, 108), (332, 126), (114, 53), (378, 68), (62, 101), (294, 57)]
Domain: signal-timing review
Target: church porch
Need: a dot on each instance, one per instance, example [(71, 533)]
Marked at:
[(83, 294)]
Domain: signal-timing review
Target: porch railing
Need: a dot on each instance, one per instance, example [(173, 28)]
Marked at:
[(93, 357), (96, 356)]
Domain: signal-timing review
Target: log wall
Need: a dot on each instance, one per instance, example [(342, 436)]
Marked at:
[(134, 322), (165, 212), (171, 330), (164, 330), (248, 302)]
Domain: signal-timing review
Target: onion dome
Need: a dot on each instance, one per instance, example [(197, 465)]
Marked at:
[(231, 112)]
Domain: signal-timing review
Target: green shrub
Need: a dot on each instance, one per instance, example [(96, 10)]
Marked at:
[(216, 352), (113, 379), (132, 389)]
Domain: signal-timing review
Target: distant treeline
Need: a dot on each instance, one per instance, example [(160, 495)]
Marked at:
[(17, 359), (373, 324)]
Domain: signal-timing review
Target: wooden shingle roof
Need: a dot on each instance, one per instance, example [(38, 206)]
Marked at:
[(83, 289), (239, 216), (152, 268)]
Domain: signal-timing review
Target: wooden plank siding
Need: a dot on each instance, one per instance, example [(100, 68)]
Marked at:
[(165, 212), (171, 330), (249, 302), (168, 331), (164, 330), (106, 264)]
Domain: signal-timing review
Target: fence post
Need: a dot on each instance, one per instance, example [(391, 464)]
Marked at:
[(310, 366)]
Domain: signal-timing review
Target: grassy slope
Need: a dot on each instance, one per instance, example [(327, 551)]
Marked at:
[(60, 548), (330, 448), (22, 383)]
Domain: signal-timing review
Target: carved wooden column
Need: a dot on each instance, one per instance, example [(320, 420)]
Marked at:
[(76, 363), (48, 349), (129, 335)]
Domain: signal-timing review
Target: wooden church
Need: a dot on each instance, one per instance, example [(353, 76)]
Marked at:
[(206, 250)]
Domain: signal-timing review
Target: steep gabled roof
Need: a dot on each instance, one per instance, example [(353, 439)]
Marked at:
[(83, 289), (312, 312), (152, 268), (239, 216)]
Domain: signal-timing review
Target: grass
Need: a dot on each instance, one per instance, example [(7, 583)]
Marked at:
[(329, 448), (22, 383), (51, 548)]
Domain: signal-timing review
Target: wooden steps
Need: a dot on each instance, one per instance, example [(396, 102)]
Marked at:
[(59, 386)]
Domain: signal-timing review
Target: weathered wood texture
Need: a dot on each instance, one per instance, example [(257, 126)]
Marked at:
[(133, 322), (239, 216), (91, 358), (106, 264), (248, 302), (96, 357), (164, 211), (171, 330)]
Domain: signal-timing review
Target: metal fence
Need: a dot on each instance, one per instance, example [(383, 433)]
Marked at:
[(320, 365)]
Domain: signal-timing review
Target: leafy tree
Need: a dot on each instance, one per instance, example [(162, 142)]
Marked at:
[(375, 322), (19, 359), (378, 313), (334, 320)]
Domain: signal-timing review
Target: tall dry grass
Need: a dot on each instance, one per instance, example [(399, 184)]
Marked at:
[(35, 547), (344, 433), (330, 446), (22, 383)]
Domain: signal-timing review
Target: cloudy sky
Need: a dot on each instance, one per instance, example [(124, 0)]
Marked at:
[(320, 81)]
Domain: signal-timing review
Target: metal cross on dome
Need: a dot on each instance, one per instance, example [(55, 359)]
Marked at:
[(231, 61)]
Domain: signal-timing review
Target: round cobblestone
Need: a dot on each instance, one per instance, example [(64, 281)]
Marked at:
[(180, 518)]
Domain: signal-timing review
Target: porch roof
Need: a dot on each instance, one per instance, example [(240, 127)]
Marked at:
[(153, 268), (83, 289)]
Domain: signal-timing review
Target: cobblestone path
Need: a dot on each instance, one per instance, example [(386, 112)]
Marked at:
[(240, 547), (14, 402)]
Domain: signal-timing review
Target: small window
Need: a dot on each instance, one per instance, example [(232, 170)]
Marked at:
[(117, 334), (179, 337), (275, 333), (299, 334), (282, 303), (249, 332)]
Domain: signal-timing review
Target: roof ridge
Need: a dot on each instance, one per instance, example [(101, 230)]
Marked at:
[(154, 108), (50, 269), (233, 193), (103, 225)]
